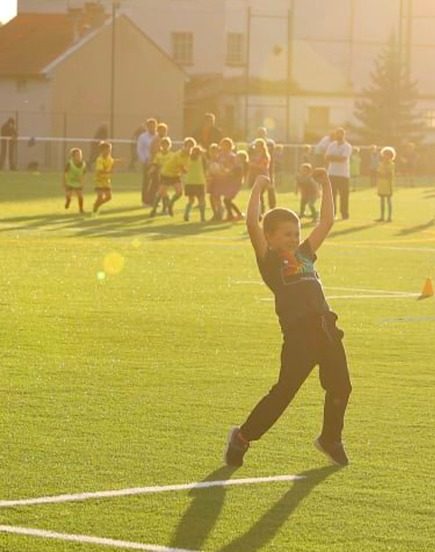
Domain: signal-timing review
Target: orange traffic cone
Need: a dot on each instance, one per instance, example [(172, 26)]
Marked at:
[(427, 290)]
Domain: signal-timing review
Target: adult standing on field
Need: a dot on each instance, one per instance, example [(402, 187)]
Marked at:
[(145, 154), (8, 144), (338, 159), (208, 133), (320, 149)]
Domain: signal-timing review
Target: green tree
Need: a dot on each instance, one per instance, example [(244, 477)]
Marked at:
[(387, 111)]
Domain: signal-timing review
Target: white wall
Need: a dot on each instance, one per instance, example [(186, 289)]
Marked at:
[(324, 58)]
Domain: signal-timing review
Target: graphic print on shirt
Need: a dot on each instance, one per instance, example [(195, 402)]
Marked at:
[(295, 267)]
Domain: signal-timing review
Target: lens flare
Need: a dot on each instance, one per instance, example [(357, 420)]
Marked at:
[(101, 276), (113, 263), (269, 123)]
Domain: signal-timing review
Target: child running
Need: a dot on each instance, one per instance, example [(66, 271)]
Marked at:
[(194, 182), (234, 186), (103, 172), (161, 158), (259, 165), (74, 177), (310, 335), (385, 182), (214, 171), (309, 190)]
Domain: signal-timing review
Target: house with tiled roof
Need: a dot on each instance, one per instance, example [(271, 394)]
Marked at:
[(63, 74)]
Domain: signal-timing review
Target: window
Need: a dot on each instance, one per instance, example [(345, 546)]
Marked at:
[(21, 85), (235, 49), (429, 119), (182, 48), (318, 117)]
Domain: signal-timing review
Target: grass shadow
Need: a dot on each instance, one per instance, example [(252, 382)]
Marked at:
[(264, 530), (201, 516), (415, 229), (110, 224), (351, 230)]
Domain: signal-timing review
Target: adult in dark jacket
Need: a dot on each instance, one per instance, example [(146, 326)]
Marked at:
[(208, 133)]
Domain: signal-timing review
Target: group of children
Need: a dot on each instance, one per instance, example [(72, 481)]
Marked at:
[(382, 176), (74, 177), (221, 172)]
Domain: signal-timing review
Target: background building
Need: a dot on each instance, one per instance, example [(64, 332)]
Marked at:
[(295, 65), (58, 77)]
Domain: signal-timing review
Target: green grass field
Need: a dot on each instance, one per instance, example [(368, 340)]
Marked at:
[(134, 380)]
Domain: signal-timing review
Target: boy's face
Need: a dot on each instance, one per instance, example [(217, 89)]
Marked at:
[(286, 237), (105, 152), (77, 156)]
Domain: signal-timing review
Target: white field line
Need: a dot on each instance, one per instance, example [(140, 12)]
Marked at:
[(361, 296), (369, 292), (79, 497), (114, 543)]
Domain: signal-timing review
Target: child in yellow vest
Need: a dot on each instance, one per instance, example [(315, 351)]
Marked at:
[(103, 172), (194, 182), (385, 182), (73, 178)]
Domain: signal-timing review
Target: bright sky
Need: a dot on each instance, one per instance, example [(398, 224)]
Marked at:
[(8, 9)]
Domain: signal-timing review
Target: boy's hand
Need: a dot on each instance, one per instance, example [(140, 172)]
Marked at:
[(263, 182), (320, 175)]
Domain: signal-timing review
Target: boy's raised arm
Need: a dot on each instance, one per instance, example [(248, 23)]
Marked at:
[(326, 220), (255, 230)]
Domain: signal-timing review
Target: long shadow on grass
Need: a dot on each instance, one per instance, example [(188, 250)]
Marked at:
[(414, 229), (203, 512), (111, 226), (351, 230), (264, 530)]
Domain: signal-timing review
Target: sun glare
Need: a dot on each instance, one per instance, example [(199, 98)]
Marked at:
[(8, 10)]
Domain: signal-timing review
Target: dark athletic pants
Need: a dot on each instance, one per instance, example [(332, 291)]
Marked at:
[(340, 187), (313, 341)]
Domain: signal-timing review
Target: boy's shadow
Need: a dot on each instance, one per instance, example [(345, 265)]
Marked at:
[(268, 525), (201, 516)]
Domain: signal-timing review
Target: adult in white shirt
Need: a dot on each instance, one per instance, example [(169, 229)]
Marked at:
[(338, 159), (321, 147), (145, 154)]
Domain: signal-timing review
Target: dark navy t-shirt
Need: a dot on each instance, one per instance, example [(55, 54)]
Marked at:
[(294, 282)]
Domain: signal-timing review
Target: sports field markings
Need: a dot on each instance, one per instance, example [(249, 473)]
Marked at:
[(80, 497), (85, 539), (356, 293)]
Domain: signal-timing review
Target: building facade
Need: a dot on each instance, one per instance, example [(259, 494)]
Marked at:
[(68, 85), (296, 66)]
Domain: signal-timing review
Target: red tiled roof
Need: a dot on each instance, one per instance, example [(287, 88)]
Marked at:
[(31, 41)]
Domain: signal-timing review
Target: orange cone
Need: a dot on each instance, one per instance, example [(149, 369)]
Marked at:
[(427, 290)]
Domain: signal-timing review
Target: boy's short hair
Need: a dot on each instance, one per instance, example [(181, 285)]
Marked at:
[(162, 126), (390, 151), (166, 140), (229, 141), (103, 145), (307, 166), (189, 139), (73, 151), (243, 154), (273, 218)]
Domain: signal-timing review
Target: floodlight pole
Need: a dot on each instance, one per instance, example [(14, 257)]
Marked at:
[(249, 18), (112, 72)]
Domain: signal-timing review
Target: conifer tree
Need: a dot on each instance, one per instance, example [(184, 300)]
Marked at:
[(387, 110)]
